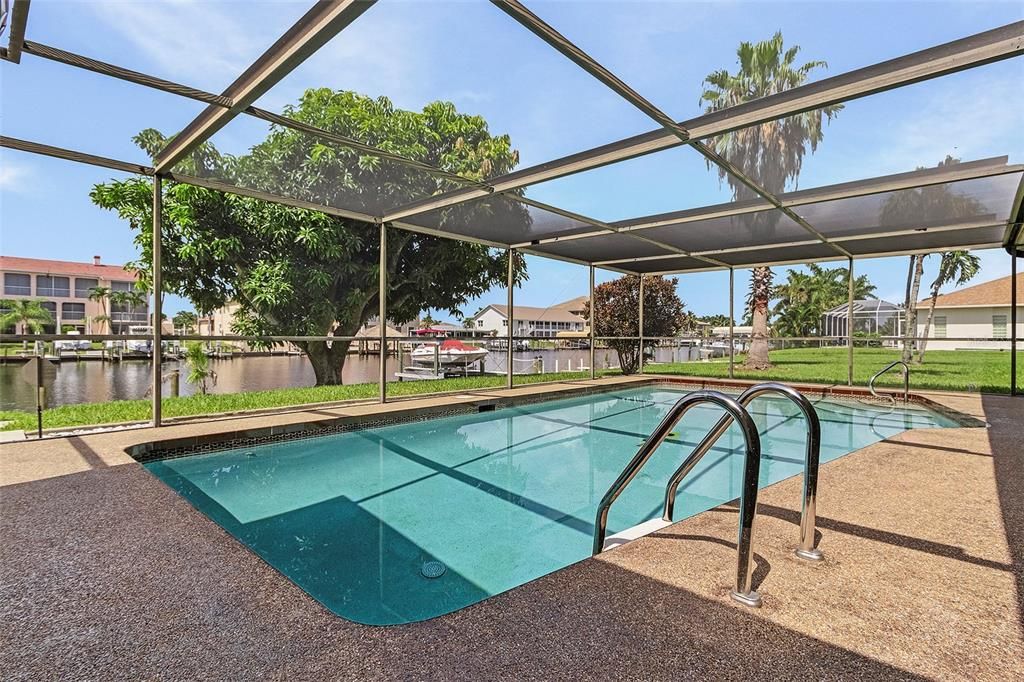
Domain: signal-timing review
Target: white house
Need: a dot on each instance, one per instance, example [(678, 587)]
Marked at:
[(978, 312), (531, 321)]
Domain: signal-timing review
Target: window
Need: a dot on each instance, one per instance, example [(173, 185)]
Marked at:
[(479, 324), (999, 326), (83, 285), (17, 284), (940, 326), (72, 312), (504, 323), (47, 285)]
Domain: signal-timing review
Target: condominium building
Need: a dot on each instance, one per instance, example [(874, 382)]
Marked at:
[(63, 288)]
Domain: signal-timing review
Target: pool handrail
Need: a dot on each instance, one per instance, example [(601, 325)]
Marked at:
[(743, 592), (812, 454), (906, 381)]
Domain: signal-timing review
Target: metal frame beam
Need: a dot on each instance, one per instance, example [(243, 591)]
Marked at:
[(976, 50), (70, 155), (382, 313), (321, 23), (158, 286), (16, 39)]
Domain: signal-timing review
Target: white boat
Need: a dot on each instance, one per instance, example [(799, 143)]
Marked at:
[(450, 352)]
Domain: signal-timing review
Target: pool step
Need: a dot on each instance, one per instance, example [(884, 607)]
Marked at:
[(637, 531)]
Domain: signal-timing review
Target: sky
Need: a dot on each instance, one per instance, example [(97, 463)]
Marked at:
[(472, 54)]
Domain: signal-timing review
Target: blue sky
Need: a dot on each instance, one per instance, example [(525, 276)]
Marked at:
[(472, 54)]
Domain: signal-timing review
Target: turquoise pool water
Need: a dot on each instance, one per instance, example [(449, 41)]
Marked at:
[(499, 498)]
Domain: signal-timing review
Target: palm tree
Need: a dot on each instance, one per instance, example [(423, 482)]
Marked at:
[(128, 300), (955, 266), (771, 154), (922, 208), (804, 297), (30, 315), (198, 363), (100, 295)]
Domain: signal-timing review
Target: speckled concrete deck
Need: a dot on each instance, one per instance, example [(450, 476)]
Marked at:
[(107, 574)]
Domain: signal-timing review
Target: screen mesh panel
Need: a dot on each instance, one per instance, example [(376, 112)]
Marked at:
[(608, 246), (970, 201), (749, 229), (921, 241), (673, 264), (424, 55), (296, 165), (778, 254), (501, 219)]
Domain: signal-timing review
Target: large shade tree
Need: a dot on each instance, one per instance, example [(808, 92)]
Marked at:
[(771, 154), (617, 307), (305, 273)]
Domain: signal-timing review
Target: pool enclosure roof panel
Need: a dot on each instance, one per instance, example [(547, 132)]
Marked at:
[(358, 174)]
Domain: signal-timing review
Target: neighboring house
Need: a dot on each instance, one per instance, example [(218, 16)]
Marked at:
[(978, 312), (530, 321), (62, 287)]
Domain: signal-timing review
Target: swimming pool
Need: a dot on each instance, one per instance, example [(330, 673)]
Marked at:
[(364, 521)]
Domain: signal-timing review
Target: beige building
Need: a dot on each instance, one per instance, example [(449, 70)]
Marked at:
[(980, 312), (63, 288), (530, 321)]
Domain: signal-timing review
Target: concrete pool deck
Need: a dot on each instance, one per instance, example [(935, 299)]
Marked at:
[(106, 573)]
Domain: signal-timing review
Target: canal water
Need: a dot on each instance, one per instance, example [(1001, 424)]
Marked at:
[(93, 381)]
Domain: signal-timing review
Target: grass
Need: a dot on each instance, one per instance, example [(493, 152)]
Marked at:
[(118, 411), (972, 371), (985, 371)]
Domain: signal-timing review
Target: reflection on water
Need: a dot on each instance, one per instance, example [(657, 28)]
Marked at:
[(94, 382)]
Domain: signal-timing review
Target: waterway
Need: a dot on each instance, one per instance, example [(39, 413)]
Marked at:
[(93, 381)]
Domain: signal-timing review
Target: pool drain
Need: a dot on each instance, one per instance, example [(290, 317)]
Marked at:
[(432, 569)]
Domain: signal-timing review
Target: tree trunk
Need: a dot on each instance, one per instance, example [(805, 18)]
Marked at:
[(628, 356), (757, 356), (761, 292), (928, 324), (327, 362), (916, 270)]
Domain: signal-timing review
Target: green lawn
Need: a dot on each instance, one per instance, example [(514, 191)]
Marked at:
[(985, 371), (139, 410)]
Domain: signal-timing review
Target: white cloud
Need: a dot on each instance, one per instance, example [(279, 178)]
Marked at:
[(966, 117), (201, 43), (15, 178)]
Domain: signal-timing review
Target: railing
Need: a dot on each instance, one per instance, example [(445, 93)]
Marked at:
[(743, 592), (906, 381), (806, 549)]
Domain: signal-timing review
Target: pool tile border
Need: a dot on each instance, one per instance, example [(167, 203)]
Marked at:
[(228, 440)]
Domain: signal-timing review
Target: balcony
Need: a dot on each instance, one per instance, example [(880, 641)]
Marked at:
[(17, 290)]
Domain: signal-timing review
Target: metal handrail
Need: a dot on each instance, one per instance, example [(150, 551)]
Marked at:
[(808, 512), (906, 381), (748, 495)]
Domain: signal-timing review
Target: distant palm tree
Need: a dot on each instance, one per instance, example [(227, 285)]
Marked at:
[(959, 267), (30, 315), (100, 295), (127, 300), (771, 154)]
